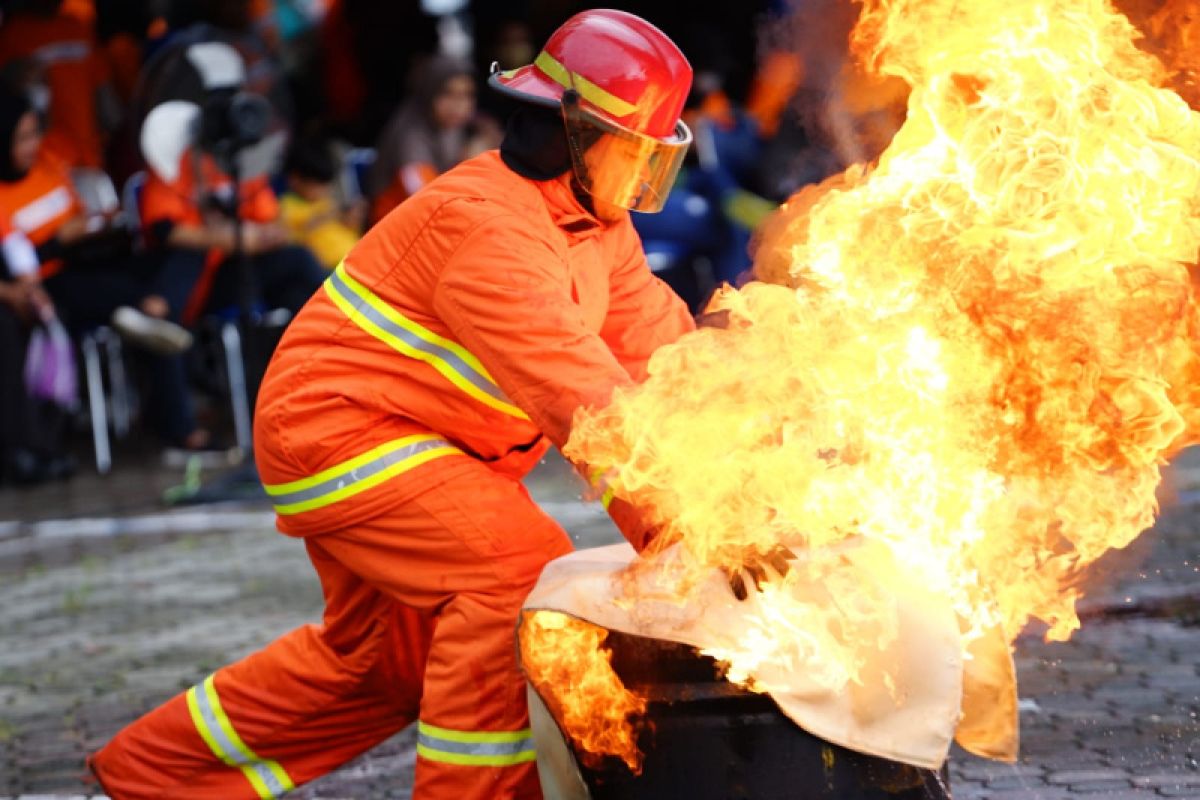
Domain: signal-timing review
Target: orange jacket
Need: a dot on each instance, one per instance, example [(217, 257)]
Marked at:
[(485, 310), (39, 203), (179, 202), (75, 69)]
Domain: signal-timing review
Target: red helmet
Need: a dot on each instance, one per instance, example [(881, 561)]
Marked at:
[(621, 84)]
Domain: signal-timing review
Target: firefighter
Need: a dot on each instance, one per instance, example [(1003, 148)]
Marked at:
[(402, 407)]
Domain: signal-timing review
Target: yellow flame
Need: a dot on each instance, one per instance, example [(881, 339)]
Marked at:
[(977, 352)]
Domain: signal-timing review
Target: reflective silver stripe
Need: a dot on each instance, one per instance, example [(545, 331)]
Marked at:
[(231, 752), (476, 748), (356, 474), (450, 358)]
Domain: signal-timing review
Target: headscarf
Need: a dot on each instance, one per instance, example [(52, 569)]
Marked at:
[(412, 136), (13, 107)]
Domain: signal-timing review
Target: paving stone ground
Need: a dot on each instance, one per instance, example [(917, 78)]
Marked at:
[(103, 618)]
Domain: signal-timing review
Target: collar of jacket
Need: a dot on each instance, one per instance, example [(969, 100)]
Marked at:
[(566, 210)]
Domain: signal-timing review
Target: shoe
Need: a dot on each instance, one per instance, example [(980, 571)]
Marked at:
[(60, 468), (23, 467), (157, 335)]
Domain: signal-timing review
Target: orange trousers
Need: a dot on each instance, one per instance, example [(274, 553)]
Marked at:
[(420, 616)]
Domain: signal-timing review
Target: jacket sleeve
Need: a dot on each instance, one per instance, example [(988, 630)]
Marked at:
[(505, 296), (643, 312)]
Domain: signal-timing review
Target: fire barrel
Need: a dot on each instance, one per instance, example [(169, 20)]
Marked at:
[(704, 738)]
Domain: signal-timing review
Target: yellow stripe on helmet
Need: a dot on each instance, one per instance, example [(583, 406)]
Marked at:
[(596, 95)]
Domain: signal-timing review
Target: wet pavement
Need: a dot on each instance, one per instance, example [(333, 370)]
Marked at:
[(110, 603)]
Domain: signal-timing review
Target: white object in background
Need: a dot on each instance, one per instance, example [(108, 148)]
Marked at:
[(454, 39), (20, 255), (167, 133), (436, 8), (219, 65)]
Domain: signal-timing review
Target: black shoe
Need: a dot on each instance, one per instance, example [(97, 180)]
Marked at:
[(60, 468), (23, 467)]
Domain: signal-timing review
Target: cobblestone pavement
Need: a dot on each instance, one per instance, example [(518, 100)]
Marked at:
[(103, 618)]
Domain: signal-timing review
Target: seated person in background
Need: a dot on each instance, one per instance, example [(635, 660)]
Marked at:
[(190, 230), (436, 128), (79, 255), (310, 210), (42, 47), (29, 451), (188, 222)]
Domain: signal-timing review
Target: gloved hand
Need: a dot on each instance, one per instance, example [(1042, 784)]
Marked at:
[(755, 566), (632, 523)]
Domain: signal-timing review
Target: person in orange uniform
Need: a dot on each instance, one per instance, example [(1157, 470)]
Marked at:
[(402, 407), (44, 42), (79, 256)]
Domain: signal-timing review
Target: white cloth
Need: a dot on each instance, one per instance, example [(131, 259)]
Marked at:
[(20, 255), (910, 714)]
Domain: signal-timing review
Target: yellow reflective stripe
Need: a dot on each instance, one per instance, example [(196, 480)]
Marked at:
[(475, 748), (596, 95), (474, 736), (606, 498), (268, 777), (476, 760), (402, 334), (358, 474), (202, 727)]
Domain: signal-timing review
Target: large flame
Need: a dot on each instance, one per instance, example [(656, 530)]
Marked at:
[(977, 352), (566, 662)]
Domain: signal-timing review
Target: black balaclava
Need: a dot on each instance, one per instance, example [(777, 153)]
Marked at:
[(535, 143), (535, 146), (12, 107)]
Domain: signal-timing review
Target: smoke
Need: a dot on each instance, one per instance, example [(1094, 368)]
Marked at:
[(844, 113)]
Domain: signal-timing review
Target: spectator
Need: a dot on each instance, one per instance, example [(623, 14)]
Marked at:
[(310, 210), (74, 251), (436, 128), (189, 226), (27, 454), (122, 28), (54, 56), (365, 44), (509, 45), (189, 223)]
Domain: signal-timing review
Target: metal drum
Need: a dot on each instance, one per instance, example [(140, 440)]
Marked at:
[(706, 739)]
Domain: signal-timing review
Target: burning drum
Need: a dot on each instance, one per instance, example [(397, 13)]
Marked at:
[(702, 737)]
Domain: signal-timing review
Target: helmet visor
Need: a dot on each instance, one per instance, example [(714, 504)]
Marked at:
[(620, 166)]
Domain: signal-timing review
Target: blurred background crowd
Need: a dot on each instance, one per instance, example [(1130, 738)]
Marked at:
[(148, 268)]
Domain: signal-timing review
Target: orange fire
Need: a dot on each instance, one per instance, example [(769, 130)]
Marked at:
[(977, 352), (565, 660), (1174, 35)]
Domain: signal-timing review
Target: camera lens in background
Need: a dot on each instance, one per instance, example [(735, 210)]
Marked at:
[(233, 120), (248, 117)]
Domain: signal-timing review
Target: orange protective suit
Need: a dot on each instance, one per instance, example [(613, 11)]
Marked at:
[(400, 411)]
